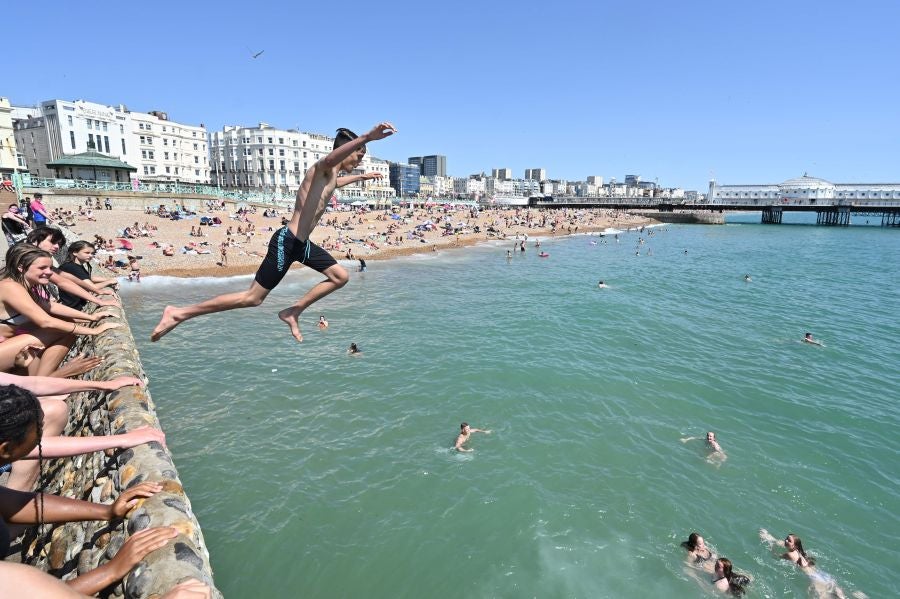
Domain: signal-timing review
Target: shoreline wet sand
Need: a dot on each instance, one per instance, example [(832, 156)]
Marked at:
[(367, 233)]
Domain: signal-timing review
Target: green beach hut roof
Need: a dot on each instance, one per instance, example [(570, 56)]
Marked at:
[(93, 159)]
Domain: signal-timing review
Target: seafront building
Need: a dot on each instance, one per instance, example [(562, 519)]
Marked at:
[(502, 173), (536, 174), (154, 148), (170, 151), (264, 158), (404, 178), (430, 166), (59, 128), (801, 190), (10, 159)]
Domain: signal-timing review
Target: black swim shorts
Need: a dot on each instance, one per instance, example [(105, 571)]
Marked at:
[(284, 250)]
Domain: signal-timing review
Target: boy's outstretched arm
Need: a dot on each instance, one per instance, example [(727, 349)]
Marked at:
[(379, 131), (342, 181)]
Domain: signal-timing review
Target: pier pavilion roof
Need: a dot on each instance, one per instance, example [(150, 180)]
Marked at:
[(806, 182)]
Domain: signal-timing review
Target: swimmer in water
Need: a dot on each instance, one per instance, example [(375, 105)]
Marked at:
[(808, 338), (354, 349), (747, 278), (725, 579), (823, 585), (323, 324), (698, 554), (465, 431), (602, 285), (716, 453), (508, 255)]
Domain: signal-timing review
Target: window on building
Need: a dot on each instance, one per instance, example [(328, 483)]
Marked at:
[(262, 165), (148, 126), (152, 170), (196, 160), (175, 156), (270, 140), (72, 139), (167, 170), (271, 152), (304, 154), (281, 152), (259, 151), (294, 143), (146, 171), (123, 147), (165, 141), (272, 165), (122, 129), (144, 154), (69, 118), (150, 154), (195, 146), (296, 166), (105, 125), (164, 128), (165, 155), (176, 170), (281, 164), (91, 140), (106, 143), (259, 140)]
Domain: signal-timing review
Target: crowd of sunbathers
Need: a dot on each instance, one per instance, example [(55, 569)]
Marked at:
[(42, 315)]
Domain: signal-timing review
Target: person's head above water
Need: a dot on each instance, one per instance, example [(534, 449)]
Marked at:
[(464, 426), (710, 436), (808, 336), (694, 542)]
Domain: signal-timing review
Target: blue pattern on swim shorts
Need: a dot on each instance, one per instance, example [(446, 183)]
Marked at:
[(281, 248)]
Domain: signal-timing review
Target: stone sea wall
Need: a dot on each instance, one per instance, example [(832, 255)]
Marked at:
[(70, 549)]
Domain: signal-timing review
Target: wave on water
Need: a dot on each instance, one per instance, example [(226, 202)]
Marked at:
[(163, 281)]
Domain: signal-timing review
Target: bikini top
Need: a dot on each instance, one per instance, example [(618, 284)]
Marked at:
[(43, 300)]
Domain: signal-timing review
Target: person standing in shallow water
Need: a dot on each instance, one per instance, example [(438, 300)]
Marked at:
[(291, 243)]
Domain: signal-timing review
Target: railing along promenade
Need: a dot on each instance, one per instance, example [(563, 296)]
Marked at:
[(828, 212), (273, 198), (74, 548)]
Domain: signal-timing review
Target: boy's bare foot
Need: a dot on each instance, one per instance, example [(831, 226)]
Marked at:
[(77, 365), (169, 321), (290, 315)]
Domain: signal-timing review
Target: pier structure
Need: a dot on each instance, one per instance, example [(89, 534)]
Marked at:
[(834, 204)]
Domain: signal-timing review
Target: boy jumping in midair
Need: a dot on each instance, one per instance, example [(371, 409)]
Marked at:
[(291, 243)]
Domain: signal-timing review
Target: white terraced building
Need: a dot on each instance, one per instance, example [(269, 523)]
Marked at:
[(160, 150), (169, 151), (804, 190), (276, 160)]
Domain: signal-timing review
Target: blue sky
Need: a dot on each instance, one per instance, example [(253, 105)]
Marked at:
[(750, 92)]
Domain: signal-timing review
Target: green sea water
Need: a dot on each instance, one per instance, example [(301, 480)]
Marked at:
[(317, 474)]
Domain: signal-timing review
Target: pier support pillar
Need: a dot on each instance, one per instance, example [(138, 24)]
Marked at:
[(838, 216), (890, 219), (771, 215)]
